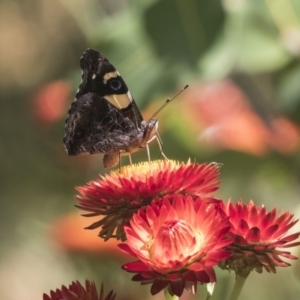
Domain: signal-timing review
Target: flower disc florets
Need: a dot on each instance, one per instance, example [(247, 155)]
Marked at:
[(121, 193), (177, 241), (258, 236)]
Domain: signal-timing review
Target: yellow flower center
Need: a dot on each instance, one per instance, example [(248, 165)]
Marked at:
[(146, 168)]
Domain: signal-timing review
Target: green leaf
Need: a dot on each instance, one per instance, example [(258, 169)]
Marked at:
[(183, 30), (288, 89), (251, 43)]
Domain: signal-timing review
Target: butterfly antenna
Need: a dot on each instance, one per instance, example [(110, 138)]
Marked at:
[(168, 101), (160, 145)]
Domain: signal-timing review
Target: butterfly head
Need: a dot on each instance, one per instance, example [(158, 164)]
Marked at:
[(150, 130)]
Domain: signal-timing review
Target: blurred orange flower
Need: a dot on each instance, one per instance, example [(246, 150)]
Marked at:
[(69, 233), (50, 102), (223, 113)]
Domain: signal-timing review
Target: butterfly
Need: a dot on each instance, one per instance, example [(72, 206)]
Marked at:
[(104, 117)]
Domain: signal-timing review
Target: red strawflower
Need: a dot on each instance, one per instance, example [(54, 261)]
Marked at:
[(258, 238), (76, 291), (177, 241), (121, 193)]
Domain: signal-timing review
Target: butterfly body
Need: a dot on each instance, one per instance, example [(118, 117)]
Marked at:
[(104, 117)]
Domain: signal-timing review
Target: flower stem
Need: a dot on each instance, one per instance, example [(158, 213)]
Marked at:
[(237, 288), (169, 297)]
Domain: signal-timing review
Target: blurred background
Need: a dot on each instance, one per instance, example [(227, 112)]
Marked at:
[(241, 59)]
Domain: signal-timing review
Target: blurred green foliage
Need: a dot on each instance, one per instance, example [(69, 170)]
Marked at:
[(158, 47)]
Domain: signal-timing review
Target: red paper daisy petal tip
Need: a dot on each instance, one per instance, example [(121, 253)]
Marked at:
[(121, 193)]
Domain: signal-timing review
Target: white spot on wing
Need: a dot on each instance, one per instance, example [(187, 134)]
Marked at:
[(94, 76)]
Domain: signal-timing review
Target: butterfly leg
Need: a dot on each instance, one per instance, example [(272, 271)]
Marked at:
[(130, 159), (119, 160), (148, 152), (160, 145)]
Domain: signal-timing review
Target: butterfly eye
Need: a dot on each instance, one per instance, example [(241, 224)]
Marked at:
[(115, 84), (78, 134)]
